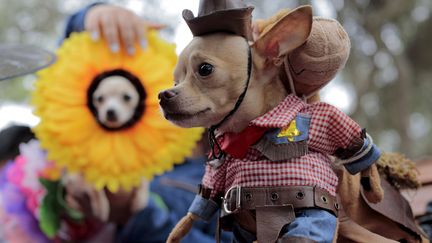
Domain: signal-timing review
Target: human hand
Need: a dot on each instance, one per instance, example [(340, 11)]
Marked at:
[(120, 27), (104, 205), (84, 198), (124, 204)]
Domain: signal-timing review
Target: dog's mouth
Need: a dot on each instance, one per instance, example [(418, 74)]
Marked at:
[(113, 124), (179, 116)]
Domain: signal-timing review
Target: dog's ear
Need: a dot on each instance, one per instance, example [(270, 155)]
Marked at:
[(288, 33)]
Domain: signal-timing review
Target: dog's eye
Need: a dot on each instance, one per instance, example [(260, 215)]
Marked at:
[(205, 69), (126, 98), (100, 99)]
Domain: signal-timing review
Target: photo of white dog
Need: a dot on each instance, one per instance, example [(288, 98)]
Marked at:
[(115, 100)]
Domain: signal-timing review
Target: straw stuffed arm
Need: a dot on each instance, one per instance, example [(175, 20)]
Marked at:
[(205, 204), (182, 228), (201, 208), (361, 156)]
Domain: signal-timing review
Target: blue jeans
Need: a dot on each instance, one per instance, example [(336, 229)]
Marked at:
[(315, 224)]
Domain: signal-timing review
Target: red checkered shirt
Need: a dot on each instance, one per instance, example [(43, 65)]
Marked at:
[(329, 130)]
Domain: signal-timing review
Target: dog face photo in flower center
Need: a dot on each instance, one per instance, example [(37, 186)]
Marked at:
[(116, 99)]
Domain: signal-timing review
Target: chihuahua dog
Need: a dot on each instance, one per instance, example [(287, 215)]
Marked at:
[(115, 100), (212, 69), (211, 77), (215, 69), (226, 83)]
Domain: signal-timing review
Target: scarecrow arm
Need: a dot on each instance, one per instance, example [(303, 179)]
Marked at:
[(205, 205), (363, 158), (203, 208), (334, 133)]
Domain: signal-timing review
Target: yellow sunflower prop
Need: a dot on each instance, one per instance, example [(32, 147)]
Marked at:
[(83, 137)]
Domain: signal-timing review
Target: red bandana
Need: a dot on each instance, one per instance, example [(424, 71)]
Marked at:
[(237, 144)]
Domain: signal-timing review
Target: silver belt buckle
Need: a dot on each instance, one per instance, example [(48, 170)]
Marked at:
[(238, 199)]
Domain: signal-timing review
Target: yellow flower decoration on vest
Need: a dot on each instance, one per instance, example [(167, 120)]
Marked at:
[(77, 134)]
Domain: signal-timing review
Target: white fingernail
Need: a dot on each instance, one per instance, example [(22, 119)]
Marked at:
[(131, 50), (115, 47), (95, 35), (143, 43)]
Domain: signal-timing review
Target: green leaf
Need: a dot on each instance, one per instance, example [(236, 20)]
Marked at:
[(70, 212), (53, 207), (49, 221), (50, 186)]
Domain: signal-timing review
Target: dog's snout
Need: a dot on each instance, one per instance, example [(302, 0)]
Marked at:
[(167, 94), (111, 116)]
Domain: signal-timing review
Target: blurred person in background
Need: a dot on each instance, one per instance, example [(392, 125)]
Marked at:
[(16, 60), (169, 195), (10, 139)]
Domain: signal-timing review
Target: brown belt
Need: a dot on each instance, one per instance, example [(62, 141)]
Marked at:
[(264, 211), (249, 198)]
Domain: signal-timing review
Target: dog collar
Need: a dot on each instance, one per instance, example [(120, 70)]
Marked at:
[(219, 154)]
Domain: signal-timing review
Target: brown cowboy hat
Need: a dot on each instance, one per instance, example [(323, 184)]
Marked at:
[(18, 59), (231, 16)]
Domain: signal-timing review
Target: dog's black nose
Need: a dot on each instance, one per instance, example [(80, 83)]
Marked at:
[(167, 94), (111, 116)]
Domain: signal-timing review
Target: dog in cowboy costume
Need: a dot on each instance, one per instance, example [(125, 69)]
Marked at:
[(270, 169)]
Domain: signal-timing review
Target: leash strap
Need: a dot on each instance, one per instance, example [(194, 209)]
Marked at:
[(219, 154)]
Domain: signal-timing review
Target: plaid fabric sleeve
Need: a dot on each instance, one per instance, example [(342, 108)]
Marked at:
[(331, 129)]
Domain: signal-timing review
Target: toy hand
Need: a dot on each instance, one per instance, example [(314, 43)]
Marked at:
[(182, 228), (371, 183), (104, 205), (119, 27)]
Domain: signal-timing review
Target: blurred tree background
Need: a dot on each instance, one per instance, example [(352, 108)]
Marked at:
[(386, 82)]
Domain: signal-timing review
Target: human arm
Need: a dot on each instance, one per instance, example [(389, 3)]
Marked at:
[(120, 27), (75, 22)]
